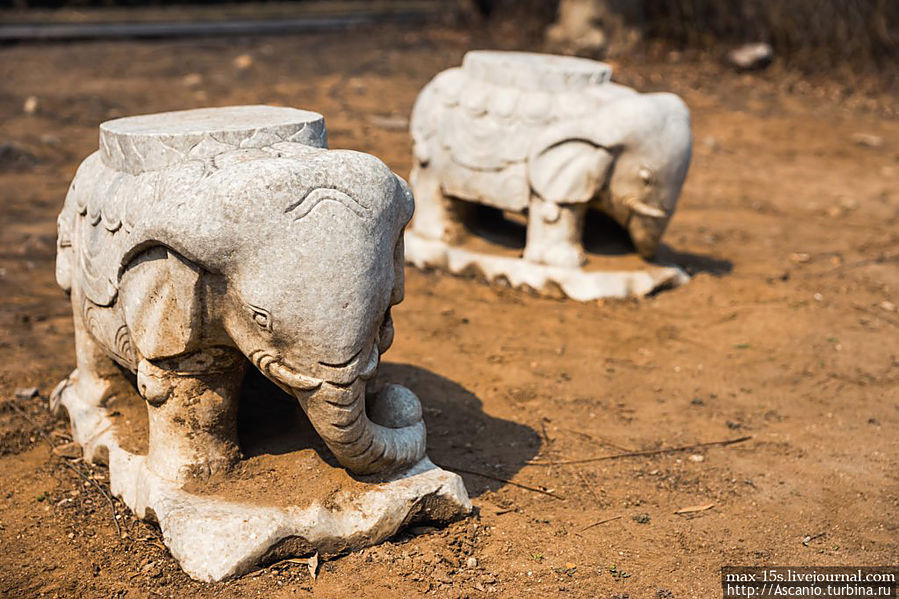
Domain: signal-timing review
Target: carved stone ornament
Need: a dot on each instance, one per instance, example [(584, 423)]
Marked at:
[(552, 137), (209, 253)]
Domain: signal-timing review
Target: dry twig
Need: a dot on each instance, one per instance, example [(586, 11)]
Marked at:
[(599, 441), (693, 509), (504, 480), (636, 454), (589, 488), (601, 522)]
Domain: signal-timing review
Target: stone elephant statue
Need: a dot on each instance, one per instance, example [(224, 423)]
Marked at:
[(550, 136), (273, 252)]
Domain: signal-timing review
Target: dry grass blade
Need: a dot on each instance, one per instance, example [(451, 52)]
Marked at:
[(695, 508), (601, 522), (312, 564), (504, 480), (637, 454)]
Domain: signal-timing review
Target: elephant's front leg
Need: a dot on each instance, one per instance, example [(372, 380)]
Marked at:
[(555, 233), (192, 408), (437, 216)]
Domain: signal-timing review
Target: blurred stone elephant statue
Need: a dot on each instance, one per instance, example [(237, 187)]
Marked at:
[(552, 137)]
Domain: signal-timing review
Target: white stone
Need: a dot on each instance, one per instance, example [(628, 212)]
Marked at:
[(553, 137), (751, 56), (215, 539), (583, 286), (198, 244)]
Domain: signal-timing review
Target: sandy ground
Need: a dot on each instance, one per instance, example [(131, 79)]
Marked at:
[(786, 334)]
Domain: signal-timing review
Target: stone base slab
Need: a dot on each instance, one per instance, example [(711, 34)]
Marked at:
[(214, 538), (575, 283)]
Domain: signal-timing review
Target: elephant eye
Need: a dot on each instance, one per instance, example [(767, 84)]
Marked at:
[(261, 317), (645, 175)]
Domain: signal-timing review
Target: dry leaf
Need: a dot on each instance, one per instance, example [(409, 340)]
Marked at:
[(69, 450), (312, 564)]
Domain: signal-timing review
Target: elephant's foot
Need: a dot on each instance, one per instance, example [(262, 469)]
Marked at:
[(565, 256), (192, 412), (555, 233)]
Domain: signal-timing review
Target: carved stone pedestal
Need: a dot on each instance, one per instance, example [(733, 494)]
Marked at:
[(274, 506), (575, 283)]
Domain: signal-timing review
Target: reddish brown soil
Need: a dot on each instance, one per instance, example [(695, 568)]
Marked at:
[(787, 333)]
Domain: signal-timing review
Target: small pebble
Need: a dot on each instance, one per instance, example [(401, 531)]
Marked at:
[(751, 56), (868, 140), (243, 62), (472, 562), (192, 80), (31, 105), (26, 392)]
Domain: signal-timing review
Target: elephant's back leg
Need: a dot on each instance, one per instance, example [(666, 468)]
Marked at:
[(437, 216), (95, 379), (96, 373)]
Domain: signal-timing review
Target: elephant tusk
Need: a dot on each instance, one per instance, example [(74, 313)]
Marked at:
[(272, 368), (644, 209), (292, 379), (371, 367)]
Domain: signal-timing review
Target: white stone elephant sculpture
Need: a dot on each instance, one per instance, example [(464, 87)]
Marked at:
[(552, 137), (190, 257)]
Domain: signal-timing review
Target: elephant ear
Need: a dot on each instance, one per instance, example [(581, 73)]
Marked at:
[(569, 172), (160, 294)]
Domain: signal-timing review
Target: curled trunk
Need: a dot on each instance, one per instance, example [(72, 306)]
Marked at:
[(338, 414)]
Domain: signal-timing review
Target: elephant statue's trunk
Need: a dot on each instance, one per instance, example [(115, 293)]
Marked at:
[(646, 233), (338, 414)]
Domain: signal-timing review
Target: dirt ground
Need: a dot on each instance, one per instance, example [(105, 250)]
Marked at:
[(787, 334)]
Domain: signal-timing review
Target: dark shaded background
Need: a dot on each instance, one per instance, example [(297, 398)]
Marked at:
[(812, 35)]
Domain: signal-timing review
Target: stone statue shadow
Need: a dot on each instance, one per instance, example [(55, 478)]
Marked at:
[(693, 263), (603, 237), (460, 434), (606, 237)]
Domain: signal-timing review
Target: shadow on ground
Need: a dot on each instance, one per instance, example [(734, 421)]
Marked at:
[(603, 237), (693, 263), (460, 435)]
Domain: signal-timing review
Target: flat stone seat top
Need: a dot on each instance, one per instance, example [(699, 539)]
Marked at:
[(151, 142), (532, 71)]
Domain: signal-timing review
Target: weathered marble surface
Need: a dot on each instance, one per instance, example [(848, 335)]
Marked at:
[(215, 538), (550, 136), (200, 243), (574, 283)]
